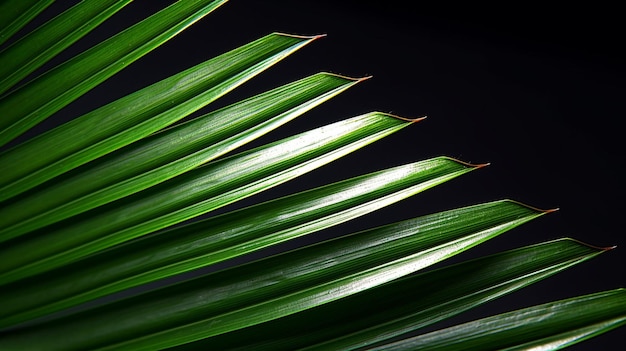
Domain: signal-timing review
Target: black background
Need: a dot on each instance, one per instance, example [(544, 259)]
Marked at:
[(537, 92)]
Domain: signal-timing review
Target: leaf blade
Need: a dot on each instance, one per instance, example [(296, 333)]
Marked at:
[(32, 103), (203, 243), (204, 189), (15, 14), (167, 154), (38, 47), (408, 304), (245, 295), (550, 326), (137, 115)]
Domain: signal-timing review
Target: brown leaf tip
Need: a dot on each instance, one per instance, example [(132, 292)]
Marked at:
[(357, 80), (468, 164), (533, 207), (407, 119), (601, 248), (310, 37)]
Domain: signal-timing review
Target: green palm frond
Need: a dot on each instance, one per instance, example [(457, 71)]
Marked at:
[(549, 326), (40, 46), (138, 115), (100, 215), (41, 97), (406, 305), (15, 14)]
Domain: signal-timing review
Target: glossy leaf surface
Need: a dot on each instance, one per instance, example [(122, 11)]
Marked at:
[(201, 190), (39, 46), (165, 155), (220, 238), (95, 210), (550, 326), (25, 107), (409, 304), (15, 14), (137, 115), (281, 285)]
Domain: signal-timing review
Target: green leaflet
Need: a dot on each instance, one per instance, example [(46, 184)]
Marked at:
[(278, 286), (38, 47), (15, 14), (201, 190), (137, 115), (82, 208), (410, 303), (166, 154), (229, 235), (25, 107), (550, 326)]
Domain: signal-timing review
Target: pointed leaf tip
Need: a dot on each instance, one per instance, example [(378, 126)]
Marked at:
[(357, 80), (468, 164), (601, 248), (533, 207), (311, 37), (364, 78), (408, 119)]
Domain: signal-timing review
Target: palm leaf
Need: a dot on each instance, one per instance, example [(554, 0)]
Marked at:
[(230, 235), (201, 190), (15, 14), (253, 293), (550, 326), (95, 213), (166, 154), (137, 115), (408, 304), (25, 107), (41, 45)]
